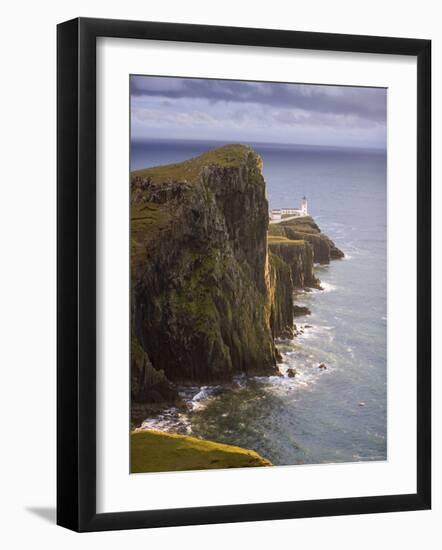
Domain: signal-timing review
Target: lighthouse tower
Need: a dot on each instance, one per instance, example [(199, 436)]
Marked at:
[(304, 206)]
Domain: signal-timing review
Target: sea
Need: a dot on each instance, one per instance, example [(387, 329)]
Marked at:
[(331, 415)]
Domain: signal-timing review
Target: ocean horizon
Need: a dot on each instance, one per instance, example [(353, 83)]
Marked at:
[(138, 147)]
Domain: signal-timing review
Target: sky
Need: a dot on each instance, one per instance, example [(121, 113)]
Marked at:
[(252, 112)]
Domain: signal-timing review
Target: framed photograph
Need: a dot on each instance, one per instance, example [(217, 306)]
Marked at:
[(243, 274)]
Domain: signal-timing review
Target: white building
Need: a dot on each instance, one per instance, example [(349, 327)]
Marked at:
[(277, 213), (304, 206)]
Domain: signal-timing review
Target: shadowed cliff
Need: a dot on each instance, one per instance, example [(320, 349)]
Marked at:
[(209, 290)]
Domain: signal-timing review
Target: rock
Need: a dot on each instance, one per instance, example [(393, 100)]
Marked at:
[(305, 228), (361, 404), (295, 246), (201, 294), (281, 292), (148, 385), (291, 373), (298, 311), (211, 287), (335, 253), (308, 326), (298, 255), (322, 366), (287, 333)]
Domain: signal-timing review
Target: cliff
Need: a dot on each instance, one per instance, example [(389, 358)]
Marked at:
[(291, 268), (324, 249), (210, 289), (281, 297), (200, 299), (299, 256)]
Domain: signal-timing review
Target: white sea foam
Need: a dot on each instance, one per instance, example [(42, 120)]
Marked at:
[(170, 420), (328, 287), (351, 250), (325, 287), (176, 420), (203, 396)]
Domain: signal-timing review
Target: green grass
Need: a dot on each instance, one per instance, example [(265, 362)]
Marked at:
[(303, 228), (153, 451), (189, 170), (147, 220), (276, 229), (303, 225), (279, 239)]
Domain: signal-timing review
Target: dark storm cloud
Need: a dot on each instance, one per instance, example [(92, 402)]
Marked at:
[(364, 103)]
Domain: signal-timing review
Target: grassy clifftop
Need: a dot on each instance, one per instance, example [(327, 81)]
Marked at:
[(228, 156), (157, 191), (199, 294), (153, 451), (305, 228), (279, 239)]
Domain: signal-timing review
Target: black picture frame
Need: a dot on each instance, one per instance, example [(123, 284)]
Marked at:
[(77, 287)]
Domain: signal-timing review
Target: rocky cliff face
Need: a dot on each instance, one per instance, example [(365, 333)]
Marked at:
[(291, 268), (200, 298), (209, 291), (281, 297), (324, 249), (298, 255)]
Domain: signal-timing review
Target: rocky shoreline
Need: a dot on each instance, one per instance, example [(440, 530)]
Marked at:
[(213, 283)]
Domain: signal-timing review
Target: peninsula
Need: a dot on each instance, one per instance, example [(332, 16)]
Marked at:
[(212, 282)]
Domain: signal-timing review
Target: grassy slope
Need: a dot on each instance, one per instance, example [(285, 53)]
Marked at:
[(189, 170), (147, 221), (153, 451), (301, 225), (277, 239)]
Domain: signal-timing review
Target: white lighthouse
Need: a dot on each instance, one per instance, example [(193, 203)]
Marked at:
[(280, 214), (304, 206)]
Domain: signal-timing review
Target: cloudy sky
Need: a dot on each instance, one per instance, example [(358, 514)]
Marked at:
[(229, 110)]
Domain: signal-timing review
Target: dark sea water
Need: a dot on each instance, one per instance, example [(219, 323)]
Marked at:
[(320, 416)]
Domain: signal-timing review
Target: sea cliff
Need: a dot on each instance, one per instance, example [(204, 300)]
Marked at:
[(304, 228), (211, 283)]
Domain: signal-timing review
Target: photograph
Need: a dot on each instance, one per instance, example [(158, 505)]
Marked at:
[(258, 272), (218, 301)]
